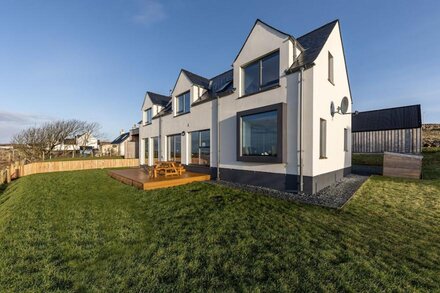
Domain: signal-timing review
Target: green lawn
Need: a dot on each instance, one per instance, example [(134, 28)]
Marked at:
[(83, 230), (367, 159), (431, 161)]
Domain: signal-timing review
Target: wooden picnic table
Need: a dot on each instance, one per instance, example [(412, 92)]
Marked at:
[(167, 169)]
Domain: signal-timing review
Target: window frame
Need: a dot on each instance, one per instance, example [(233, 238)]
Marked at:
[(148, 121), (261, 87), (331, 68), (146, 151), (322, 139), (345, 139), (200, 147), (156, 140), (280, 108), (181, 99), (179, 135)]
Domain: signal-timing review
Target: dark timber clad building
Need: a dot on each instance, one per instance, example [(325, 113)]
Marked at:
[(388, 130)]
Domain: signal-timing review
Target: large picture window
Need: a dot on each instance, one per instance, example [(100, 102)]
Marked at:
[(174, 148), (183, 103), (200, 147), (260, 134), (261, 74)]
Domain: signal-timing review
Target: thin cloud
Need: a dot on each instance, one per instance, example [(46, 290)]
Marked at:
[(150, 11), (13, 122)]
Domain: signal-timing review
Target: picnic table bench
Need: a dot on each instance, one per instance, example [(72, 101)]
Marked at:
[(166, 169)]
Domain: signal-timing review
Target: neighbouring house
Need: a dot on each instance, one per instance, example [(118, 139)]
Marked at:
[(106, 148), (82, 142), (388, 130), (127, 143), (267, 121)]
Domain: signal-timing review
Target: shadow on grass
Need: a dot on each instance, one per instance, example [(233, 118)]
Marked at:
[(3, 188)]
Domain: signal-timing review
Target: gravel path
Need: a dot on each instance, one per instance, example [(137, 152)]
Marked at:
[(333, 196)]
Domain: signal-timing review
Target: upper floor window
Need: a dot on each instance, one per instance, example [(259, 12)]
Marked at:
[(261, 74), (183, 103), (330, 68), (148, 116)]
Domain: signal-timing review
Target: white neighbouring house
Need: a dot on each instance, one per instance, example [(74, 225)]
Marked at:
[(82, 141), (272, 109)]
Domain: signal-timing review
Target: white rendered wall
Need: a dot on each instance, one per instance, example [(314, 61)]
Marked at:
[(261, 41), (324, 93), (201, 117)]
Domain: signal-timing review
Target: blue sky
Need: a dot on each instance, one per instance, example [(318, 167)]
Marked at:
[(94, 59)]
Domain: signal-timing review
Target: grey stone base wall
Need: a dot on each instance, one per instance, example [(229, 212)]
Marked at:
[(314, 184), (282, 182)]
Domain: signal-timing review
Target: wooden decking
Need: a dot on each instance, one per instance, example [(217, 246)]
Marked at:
[(140, 179)]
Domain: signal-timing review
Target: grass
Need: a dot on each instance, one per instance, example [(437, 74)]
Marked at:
[(431, 163), (367, 159), (57, 159), (83, 231)]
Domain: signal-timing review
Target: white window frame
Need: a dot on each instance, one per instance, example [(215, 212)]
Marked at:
[(322, 139), (331, 67)]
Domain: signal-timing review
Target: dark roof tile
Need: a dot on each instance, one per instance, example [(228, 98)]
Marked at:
[(388, 119), (312, 43), (197, 79), (159, 99)]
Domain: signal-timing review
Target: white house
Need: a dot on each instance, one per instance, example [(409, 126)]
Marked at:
[(265, 122), (82, 141)]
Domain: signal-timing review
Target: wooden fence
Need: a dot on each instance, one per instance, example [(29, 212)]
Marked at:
[(19, 169), (398, 141)]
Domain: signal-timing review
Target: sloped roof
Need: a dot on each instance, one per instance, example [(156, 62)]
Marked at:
[(159, 99), (197, 79), (312, 43), (121, 138), (388, 119), (250, 32)]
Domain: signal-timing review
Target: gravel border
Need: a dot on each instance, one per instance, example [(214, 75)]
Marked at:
[(334, 196)]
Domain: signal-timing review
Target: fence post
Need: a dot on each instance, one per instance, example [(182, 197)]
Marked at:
[(8, 174)]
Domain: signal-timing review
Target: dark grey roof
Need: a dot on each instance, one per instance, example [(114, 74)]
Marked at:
[(165, 111), (121, 138), (197, 79), (220, 85), (159, 99), (312, 43), (219, 82), (388, 119)]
